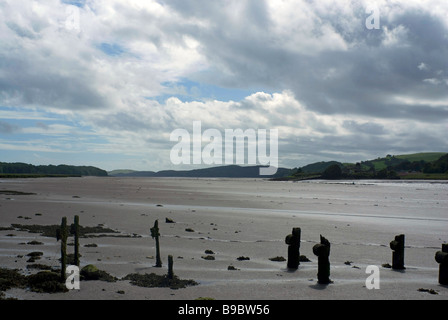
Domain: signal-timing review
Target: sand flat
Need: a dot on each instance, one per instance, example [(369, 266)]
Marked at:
[(233, 218)]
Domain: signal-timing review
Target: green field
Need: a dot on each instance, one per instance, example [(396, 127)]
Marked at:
[(382, 163), (425, 156)]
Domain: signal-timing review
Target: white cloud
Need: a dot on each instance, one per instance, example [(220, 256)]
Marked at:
[(432, 81), (422, 66)]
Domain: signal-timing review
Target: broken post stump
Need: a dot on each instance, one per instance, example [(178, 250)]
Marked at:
[(155, 235), (442, 258), (293, 242), (170, 267), (397, 246), (322, 251)]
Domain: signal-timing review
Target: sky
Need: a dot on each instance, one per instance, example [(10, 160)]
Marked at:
[(105, 82)]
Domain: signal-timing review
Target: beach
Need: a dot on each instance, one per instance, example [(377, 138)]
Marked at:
[(230, 219)]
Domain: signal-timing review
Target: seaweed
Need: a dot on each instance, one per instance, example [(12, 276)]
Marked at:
[(46, 281), (280, 259), (51, 230), (15, 193), (11, 279), (34, 243), (242, 258), (91, 272), (39, 266), (153, 280), (43, 281)]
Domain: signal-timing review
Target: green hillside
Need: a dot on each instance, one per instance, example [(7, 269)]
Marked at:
[(120, 172), (424, 165), (425, 156), (318, 166), (392, 160)]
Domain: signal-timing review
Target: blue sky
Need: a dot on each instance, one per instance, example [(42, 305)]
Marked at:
[(104, 83)]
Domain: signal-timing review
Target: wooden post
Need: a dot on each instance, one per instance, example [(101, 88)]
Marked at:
[(76, 232), (170, 267), (322, 251), (293, 242), (442, 258), (62, 235), (397, 246), (155, 235)]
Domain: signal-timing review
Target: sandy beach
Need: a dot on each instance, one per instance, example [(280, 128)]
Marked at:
[(234, 218)]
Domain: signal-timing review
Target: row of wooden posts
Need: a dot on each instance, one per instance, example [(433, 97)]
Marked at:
[(63, 232), (321, 250)]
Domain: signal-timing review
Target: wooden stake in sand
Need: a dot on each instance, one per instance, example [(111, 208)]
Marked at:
[(62, 235), (322, 251), (155, 235), (293, 242), (397, 246), (442, 258), (75, 231), (170, 267)]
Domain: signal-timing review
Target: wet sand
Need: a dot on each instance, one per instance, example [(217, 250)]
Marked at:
[(233, 218)]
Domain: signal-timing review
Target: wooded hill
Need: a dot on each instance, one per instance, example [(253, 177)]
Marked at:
[(430, 165), (18, 169)]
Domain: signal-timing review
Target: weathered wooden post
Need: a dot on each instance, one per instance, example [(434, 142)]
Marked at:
[(155, 235), (76, 233), (322, 251), (442, 258), (170, 267), (397, 246), (62, 234), (293, 242)]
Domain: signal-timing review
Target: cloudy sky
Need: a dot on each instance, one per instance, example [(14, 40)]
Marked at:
[(105, 82)]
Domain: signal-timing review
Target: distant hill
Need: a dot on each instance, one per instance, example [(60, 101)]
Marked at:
[(18, 168), (319, 166), (424, 165), (120, 172), (131, 173), (392, 160), (231, 171), (376, 164)]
